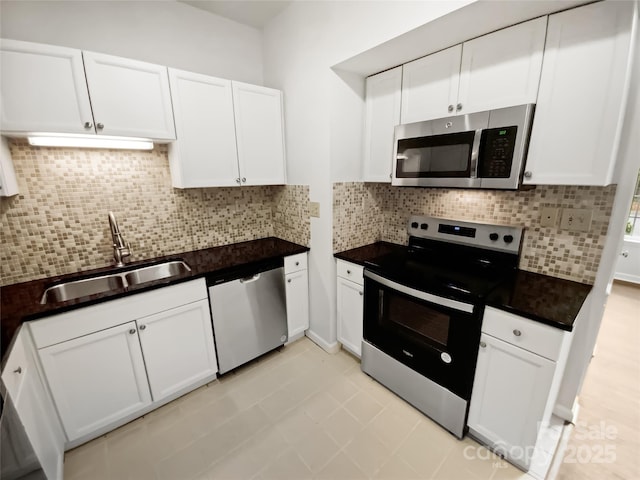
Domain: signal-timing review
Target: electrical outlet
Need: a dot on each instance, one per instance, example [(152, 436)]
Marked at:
[(576, 219), (549, 216), (314, 209)]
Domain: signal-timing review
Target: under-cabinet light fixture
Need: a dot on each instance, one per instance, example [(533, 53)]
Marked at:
[(83, 141)]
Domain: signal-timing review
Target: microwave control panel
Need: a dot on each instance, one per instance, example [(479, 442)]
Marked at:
[(496, 152)]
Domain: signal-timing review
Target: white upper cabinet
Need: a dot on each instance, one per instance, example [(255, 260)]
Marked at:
[(502, 69), (205, 153), (43, 89), (259, 134), (382, 115), (128, 97), (430, 86), (583, 92)]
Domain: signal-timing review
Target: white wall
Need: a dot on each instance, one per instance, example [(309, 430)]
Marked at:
[(323, 110), (162, 32)]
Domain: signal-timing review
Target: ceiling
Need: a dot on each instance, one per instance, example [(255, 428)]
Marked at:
[(255, 13)]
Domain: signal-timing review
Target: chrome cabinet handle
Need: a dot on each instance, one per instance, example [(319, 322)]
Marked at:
[(361, 293), (528, 174), (238, 180), (517, 332), (288, 280), (459, 107), (100, 126), (142, 327), (132, 331), (450, 108), (88, 125), (625, 254), (348, 272), (483, 345), (297, 263), (18, 370), (244, 180)]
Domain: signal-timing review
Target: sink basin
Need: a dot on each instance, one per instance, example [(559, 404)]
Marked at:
[(82, 288), (115, 281), (156, 272)]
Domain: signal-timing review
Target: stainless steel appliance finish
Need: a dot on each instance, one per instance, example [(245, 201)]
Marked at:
[(478, 150), (249, 316), (446, 408), (423, 309), (121, 249)]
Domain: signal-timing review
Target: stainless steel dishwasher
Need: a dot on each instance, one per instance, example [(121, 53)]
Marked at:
[(249, 313)]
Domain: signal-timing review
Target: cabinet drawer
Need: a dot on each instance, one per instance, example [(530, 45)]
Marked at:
[(83, 321), (524, 333), (351, 271), (295, 263)]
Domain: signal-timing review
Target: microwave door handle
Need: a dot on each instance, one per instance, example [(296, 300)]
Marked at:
[(475, 152)]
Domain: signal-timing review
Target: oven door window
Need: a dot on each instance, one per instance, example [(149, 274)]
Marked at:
[(435, 156)]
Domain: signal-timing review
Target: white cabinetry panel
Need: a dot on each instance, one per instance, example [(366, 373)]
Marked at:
[(259, 134), (583, 90), (43, 89), (430, 86), (383, 103), (178, 348), (205, 153), (128, 97), (297, 289), (96, 379), (502, 69)]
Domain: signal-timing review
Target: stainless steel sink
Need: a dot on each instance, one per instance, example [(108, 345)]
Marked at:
[(82, 288), (115, 281), (156, 272)]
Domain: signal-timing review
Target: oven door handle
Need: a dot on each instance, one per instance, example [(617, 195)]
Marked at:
[(445, 302)]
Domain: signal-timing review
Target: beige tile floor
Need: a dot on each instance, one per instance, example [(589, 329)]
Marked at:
[(296, 413)]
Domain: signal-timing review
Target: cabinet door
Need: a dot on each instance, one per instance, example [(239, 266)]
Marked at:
[(129, 98), (350, 311), (502, 69), (178, 348), (297, 302), (430, 86), (583, 92), (259, 133), (96, 379), (382, 115), (205, 153), (43, 89), (510, 392)]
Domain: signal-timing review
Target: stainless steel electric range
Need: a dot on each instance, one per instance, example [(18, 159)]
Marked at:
[(423, 310)]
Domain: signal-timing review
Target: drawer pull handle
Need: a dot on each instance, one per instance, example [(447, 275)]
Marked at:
[(483, 345), (18, 370), (348, 272), (297, 263), (288, 280), (132, 331), (517, 332), (361, 293), (142, 327)]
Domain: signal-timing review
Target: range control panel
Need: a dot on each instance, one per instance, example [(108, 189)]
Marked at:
[(502, 238)]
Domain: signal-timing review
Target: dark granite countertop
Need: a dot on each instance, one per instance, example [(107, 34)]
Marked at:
[(550, 300), (21, 301)]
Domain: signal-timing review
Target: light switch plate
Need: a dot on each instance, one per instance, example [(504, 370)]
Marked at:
[(314, 209), (576, 219), (549, 216)]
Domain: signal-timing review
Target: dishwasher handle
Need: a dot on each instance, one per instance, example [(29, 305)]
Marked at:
[(251, 279)]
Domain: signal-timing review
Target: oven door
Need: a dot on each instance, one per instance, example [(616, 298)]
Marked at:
[(435, 336)]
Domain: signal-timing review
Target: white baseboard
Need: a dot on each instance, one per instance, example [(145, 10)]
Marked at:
[(626, 277), (318, 340), (565, 413), (295, 337)]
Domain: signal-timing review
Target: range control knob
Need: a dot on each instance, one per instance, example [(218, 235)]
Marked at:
[(414, 224), (508, 238), (424, 226), (494, 236)]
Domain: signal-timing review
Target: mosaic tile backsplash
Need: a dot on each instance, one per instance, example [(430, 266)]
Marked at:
[(366, 212), (58, 222)]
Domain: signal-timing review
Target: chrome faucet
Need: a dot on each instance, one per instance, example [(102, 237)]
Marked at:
[(121, 249)]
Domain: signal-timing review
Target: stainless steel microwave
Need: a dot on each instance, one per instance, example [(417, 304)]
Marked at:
[(478, 150)]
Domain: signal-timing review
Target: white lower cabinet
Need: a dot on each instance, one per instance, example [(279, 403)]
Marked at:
[(520, 365), (178, 348), (108, 363), (35, 414), (97, 379), (297, 295), (350, 297)]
